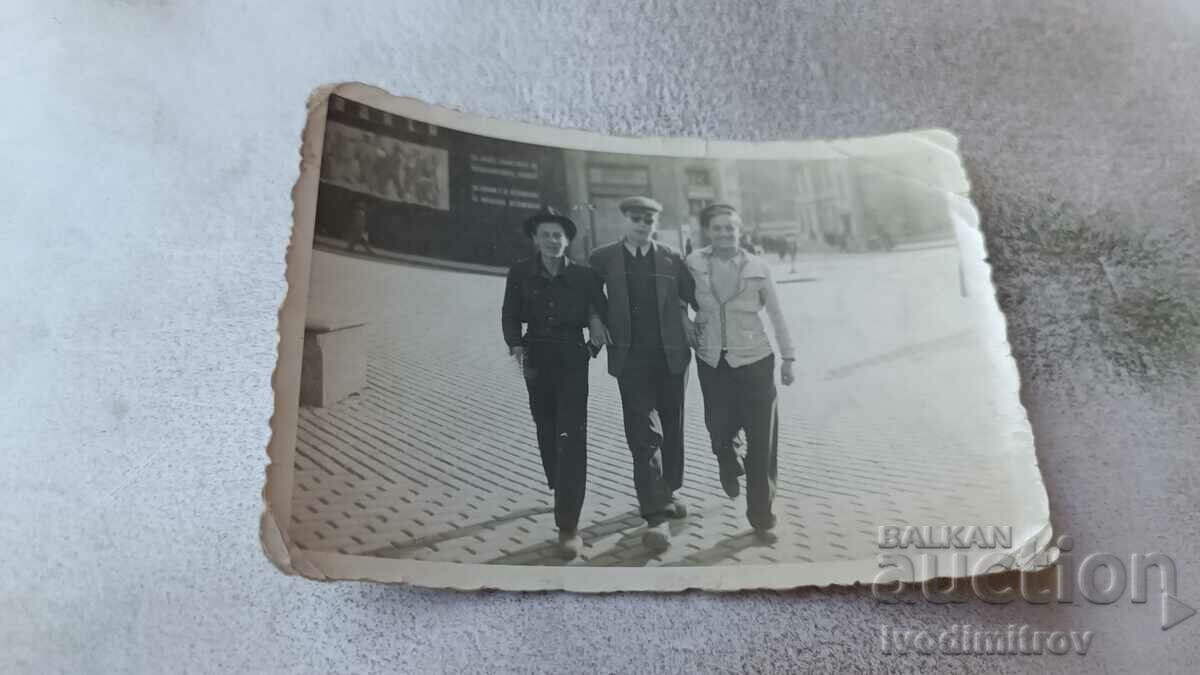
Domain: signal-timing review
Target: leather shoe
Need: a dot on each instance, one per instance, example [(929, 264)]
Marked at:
[(676, 509), (765, 529), (766, 536), (657, 538), (569, 545)]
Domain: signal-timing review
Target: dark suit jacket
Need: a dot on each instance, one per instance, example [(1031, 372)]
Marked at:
[(553, 308), (675, 286)]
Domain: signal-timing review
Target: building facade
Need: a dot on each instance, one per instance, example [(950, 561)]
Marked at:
[(431, 191), (453, 196), (597, 182), (814, 203)]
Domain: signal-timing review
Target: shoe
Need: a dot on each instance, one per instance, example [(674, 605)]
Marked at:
[(767, 537), (657, 538), (569, 545), (676, 509), (731, 468), (765, 530)]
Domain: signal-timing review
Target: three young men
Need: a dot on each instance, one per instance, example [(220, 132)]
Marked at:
[(634, 298)]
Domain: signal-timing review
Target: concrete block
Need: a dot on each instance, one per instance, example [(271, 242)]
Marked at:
[(335, 358)]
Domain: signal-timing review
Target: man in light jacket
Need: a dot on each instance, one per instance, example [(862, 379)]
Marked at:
[(735, 361)]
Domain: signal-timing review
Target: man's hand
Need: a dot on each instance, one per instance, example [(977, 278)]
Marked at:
[(518, 354), (598, 332), (692, 332), (785, 374)]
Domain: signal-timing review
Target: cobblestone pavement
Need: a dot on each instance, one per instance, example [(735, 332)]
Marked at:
[(436, 458)]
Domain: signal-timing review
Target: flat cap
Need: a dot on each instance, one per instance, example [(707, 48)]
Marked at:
[(711, 211), (640, 203), (549, 215)]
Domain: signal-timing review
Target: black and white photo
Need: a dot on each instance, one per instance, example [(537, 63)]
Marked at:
[(539, 358)]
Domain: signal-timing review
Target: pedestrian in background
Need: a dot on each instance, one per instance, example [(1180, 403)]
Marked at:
[(356, 230), (555, 299), (736, 363)]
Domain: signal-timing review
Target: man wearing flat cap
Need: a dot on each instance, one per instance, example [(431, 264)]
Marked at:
[(647, 285), (555, 299)]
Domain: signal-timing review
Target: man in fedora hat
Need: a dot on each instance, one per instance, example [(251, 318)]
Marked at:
[(648, 352), (555, 299)]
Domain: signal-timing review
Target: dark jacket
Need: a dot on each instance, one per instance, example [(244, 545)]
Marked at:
[(555, 309), (675, 287)]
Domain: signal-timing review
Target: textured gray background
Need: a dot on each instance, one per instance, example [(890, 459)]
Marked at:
[(149, 150)]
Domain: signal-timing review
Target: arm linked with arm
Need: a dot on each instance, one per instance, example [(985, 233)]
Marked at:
[(597, 300), (597, 313), (687, 298), (687, 286)]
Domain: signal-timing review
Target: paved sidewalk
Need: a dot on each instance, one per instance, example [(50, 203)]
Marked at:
[(436, 459)]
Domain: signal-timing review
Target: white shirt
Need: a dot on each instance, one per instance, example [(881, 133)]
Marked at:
[(730, 322), (725, 273), (644, 248)]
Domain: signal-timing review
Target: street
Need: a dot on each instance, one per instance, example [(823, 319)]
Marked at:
[(436, 460)]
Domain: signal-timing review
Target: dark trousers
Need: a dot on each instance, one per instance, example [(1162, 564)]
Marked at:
[(744, 398), (652, 405), (556, 376)]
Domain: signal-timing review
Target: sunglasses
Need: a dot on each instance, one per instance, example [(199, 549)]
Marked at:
[(647, 218)]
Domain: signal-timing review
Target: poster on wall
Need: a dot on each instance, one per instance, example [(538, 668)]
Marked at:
[(386, 168), (504, 181)]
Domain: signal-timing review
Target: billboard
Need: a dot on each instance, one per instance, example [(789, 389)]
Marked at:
[(433, 191), (386, 167)]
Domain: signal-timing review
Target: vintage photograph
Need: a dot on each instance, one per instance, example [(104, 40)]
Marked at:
[(524, 348)]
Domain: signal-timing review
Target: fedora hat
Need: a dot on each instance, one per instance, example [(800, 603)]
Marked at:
[(549, 215)]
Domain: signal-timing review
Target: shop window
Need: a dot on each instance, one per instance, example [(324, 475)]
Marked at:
[(699, 177)]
